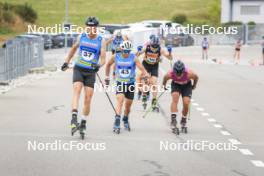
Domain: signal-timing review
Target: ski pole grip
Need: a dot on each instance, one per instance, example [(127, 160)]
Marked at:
[(139, 48), (169, 49)]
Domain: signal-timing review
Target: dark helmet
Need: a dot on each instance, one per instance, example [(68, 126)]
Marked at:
[(92, 21), (154, 42), (178, 67), (151, 36)]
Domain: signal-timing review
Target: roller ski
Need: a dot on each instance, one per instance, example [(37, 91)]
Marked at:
[(74, 124), (82, 129), (116, 128), (144, 102), (183, 125), (139, 95), (174, 127), (126, 123), (154, 105)]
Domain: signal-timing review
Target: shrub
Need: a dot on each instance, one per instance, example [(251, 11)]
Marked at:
[(251, 23), (179, 18), (26, 12), (8, 16), (232, 23)]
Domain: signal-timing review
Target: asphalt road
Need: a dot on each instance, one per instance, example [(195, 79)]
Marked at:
[(227, 106)]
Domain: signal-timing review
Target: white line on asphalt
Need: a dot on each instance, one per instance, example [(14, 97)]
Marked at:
[(195, 104), (205, 114), (234, 141), (200, 109), (245, 152), (225, 133), (211, 120), (257, 163), (218, 126)]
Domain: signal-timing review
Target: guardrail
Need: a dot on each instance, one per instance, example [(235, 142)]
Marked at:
[(19, 56)]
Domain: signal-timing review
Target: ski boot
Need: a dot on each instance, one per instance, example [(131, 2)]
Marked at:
[(126, 123), (155, 107), (74, 124), (174, 127), (183, 125), (82, 129), (144, 101), (117, 125), (148, 96), (139, 95)]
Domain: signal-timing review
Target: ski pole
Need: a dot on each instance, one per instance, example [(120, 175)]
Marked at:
[(189, 113), (169, 48), (106, 93), (149, 109)]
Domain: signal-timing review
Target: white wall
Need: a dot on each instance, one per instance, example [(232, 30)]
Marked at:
[(225, 11), (246, 18)]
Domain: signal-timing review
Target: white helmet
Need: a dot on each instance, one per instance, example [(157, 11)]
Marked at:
[(126, 45), (118, 33)]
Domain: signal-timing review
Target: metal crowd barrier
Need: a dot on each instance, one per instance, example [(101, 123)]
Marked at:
[(19, 56)]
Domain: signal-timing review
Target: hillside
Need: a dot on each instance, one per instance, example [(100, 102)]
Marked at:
[(119, 11)]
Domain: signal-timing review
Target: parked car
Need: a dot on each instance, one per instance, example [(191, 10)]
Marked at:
[(156, 23), (178, 40), (58, 41), (112, 27), (46, 38)]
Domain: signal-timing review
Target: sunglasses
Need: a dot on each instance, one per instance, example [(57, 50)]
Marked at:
[(126, 51), (155, 46)]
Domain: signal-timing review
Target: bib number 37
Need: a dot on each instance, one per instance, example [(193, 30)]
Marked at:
[(87, 55)]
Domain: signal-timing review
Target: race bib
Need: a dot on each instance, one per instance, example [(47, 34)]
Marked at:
[(151, 60), (86, 55), (125, 73)]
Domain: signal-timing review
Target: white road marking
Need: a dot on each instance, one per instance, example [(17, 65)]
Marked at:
[(211, 120), (195, 104), (245, 152), (257, 163), (205, 114), (218, 126), (234, 141), (225, 133), (199, 109)]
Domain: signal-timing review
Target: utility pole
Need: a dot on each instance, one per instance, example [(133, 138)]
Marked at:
[(66, 23)]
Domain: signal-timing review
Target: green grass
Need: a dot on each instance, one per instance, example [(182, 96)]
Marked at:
[(118, 11)]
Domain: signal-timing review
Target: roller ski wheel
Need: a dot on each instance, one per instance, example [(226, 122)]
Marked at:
[(82, 129), (116, 128), (155, 109), (74, 125), (144, 100), (183, 125), (144, 106), (127, 126), (176, 131), (184, 129)]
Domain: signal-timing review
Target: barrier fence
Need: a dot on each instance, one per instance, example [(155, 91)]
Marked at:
[(19, 56)]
